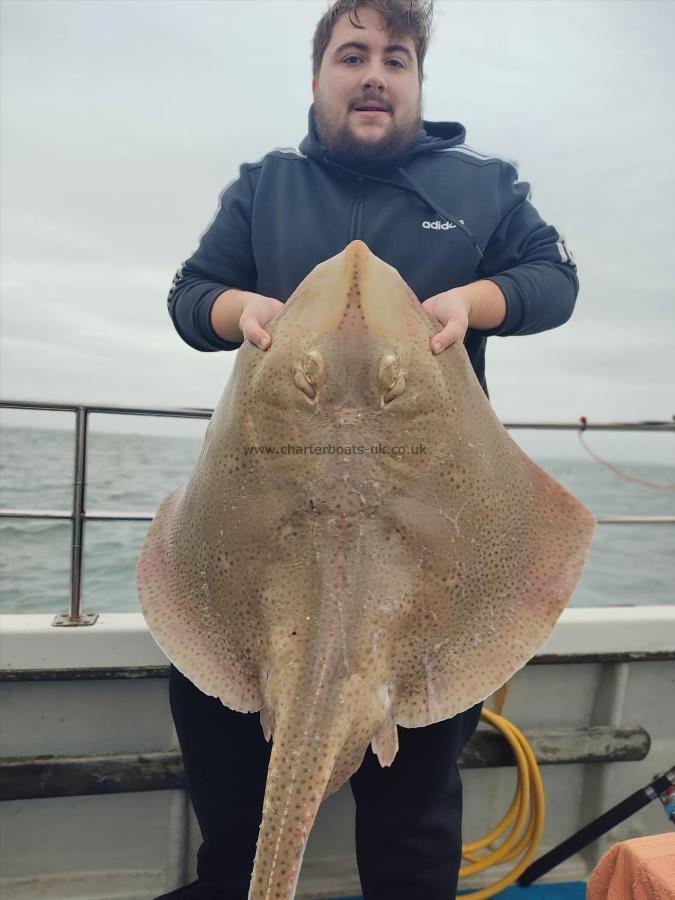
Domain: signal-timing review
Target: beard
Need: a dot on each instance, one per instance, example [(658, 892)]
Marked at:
[(347, 149)]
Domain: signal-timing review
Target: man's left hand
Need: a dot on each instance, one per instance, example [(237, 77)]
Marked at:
[(452, 309), (480, 305)]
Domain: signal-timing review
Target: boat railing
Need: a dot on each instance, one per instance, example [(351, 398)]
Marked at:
[(78, 515)]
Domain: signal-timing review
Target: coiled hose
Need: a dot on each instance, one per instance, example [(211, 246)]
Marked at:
[(525, 815)]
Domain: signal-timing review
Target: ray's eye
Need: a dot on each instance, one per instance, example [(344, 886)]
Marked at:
[(391, 378), (309, 374), (302, 381)]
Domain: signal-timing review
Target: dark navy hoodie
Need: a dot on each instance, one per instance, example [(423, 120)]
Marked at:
[(443, 216)]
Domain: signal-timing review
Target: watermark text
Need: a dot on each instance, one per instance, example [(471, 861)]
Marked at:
[(336, 450)]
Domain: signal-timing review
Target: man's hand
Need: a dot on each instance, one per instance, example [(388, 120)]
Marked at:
[(452, 309), (480, 305), (241, 315), (258, 310)]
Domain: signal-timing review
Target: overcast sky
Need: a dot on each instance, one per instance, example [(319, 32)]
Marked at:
[(123, 121)]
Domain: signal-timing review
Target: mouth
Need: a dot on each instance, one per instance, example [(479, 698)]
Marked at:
[(370, 113), (370, 110)]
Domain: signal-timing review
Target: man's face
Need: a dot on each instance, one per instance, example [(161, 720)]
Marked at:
[(363, 67)]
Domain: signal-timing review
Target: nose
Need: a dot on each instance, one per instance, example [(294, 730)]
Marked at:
[(373, 78)]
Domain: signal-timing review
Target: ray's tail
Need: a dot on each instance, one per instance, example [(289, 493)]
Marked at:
[(307, 750)]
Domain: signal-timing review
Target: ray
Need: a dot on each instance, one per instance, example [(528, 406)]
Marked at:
[(361, 544)]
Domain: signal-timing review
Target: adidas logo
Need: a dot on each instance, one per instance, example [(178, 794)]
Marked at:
[(440, 226)]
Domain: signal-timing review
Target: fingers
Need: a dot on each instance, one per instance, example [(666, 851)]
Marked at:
[(450, 310), (454, 331), (258, 311), (252, 332)]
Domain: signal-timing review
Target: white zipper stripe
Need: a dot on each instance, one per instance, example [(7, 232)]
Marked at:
[(293, 150), (566, 255), (462, 148)]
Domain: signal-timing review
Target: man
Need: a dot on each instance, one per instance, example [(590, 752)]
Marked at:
[(459, 228)]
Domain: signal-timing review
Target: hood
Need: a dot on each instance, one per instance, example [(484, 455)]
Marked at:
[(432, 136)]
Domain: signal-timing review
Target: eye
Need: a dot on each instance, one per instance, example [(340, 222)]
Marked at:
[(314, 367), (309, 374), (391, 378), (303, 382), (399, 64)]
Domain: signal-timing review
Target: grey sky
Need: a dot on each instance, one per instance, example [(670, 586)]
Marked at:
[(123, 121)]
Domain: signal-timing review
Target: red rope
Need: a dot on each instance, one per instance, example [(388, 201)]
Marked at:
[(615, 469)]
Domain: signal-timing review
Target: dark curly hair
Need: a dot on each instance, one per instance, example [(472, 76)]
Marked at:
[(403, 18)]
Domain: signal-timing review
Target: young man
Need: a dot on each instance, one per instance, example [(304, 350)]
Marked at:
[(459, 228)]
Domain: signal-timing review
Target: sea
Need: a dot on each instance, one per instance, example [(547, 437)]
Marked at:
[(629, 565)]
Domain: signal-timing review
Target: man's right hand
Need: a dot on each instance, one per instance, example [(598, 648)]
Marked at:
[(238, 315), (258, 310)]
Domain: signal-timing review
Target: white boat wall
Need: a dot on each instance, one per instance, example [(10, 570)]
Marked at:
[(602, 688)]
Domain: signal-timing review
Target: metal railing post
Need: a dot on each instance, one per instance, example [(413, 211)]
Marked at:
[(76, 616)]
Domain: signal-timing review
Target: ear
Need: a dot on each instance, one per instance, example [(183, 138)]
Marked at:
[(313, 87)]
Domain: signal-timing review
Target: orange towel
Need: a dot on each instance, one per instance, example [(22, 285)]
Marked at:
[(641, 869)]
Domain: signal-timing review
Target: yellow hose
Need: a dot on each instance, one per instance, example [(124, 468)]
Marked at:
[(526, 813)]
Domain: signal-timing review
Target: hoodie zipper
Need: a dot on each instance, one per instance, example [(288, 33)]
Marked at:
[(355, 224), (411, 187)]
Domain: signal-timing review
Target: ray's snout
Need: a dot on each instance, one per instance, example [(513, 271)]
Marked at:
[(353, 324)]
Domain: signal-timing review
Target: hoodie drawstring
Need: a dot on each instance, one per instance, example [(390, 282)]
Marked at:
[(413, 189), (441, 212)]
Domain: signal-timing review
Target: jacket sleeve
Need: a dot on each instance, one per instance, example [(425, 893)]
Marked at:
[(224, 259), (529, 261)]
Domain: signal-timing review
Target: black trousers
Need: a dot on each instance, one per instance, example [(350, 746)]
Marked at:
[(408, 816)]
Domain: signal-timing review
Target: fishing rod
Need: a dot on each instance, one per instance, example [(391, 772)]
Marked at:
[(661, 786)]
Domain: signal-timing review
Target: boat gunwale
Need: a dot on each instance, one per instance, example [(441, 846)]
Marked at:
[(120, 646)]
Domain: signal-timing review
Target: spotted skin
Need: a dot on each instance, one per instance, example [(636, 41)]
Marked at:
[(341, 594)]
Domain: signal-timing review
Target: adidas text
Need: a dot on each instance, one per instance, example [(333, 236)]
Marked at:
[(440, 226)]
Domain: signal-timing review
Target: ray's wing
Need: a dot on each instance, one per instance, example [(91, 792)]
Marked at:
[(175, 589), (218, 579), (502, 546)]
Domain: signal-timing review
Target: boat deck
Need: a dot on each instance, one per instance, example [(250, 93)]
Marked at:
[(571, 890)]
